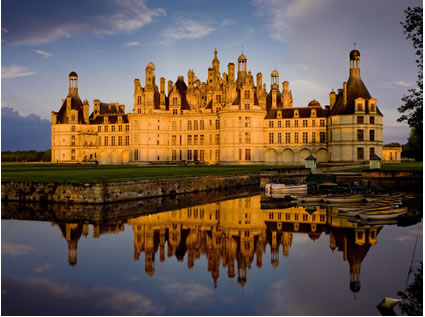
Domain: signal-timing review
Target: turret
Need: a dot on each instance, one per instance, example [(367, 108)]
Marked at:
[(86, 107), (259, 83), (190, 79), (354, 63), (162, 91), (150, 75), (231, 71), (216, 63), (332, 98), (73, 83), (170, 87), (242, 66)]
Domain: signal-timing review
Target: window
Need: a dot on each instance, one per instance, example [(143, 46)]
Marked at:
[(360, 154), (246, 94), (113, 140), (127, 140), (73, 128), (296, 123), (247, 138), (360, 135), (100, 141), (240, 154), (305, 123), (217, 124), (120, 140), (201, 125), (279, 138), (270, 124), (217, 155), (372, 152), (189, 140), (99, 128), (175, 111), (248, 154), (202, 155), (189, 125), (217, 139), (322, 137), (305, 137), (189, 155), (313, 123), (296, 137), (372, 120), (372, 135), (287, 137), (195, 140), (372, 107), (195, 125), (313, 137), (173, 139), (106, 140), (173, 125), (359, 107), (287, 216), (279, 124), (240, 122), (360, 120), (113, 128), (247, 106), (247, 122), (180, 140), (173, 155), (240, 137), (106, 127), (139, 100), (322, 123), (73, 117), (127, 127), (120, 128), (271, 138), (201, 140), (287, 124)]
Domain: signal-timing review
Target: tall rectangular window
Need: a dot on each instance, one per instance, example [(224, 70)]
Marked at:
[(173, 125), (296, 123), (247, 138), (106, 140), (189, 140), (120, 128), (217, 124), (120, 140), (360, 119), (305, 123), (313, 137), (201, 140), (247, 122), (173, 155), (322, 123), (287, 137), (322, 137), (173, 139), (240, 154), (189, 125), (248, 154), (360, 154), (360, 135), (202, 155), (271, 138), (313, 123), (372, 135), (189, 155), (279, 124), (99, 128), (127, 140), (113, 128), (372, 152), (195, 140), (136, 155), (201, 125), (372, 120), (279, 138), (270, 124), (287, 123), (127, 127), (305, 137), (106, 127), (195, 125), (113, 140), (296, 137), (217, 139)]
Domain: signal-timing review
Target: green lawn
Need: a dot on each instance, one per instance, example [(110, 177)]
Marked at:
[(27, 172), (405, 166)]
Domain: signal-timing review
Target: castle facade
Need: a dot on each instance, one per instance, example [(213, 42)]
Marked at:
[(229, 119)]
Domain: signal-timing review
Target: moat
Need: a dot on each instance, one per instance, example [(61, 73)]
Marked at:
[(203, 254)]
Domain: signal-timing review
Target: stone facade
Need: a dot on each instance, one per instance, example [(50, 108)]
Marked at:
[(226, 120)]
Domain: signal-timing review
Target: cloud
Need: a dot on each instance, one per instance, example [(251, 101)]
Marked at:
[(130, 16), (14, 71), (228, 22), (45, 54), (99, 300), (42, 268), (400, 83), (185, 29), (131, 44), (15, 249), (187, 293), (4, 30)]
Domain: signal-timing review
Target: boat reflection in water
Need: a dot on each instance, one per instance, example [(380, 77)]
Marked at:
[(234, 234)]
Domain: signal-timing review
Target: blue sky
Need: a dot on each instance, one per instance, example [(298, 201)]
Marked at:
[(110, 42)]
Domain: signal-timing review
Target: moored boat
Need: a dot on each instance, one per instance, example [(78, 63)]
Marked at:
[(309, 198), (383, 214), (343, 199), (282, 188)]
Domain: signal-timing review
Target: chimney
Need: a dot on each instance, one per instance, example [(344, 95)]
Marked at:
[(332, 98), (345, 92)]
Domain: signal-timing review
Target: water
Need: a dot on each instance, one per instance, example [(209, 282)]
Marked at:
[(234, 256)]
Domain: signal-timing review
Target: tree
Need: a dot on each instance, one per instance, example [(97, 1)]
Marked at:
[(411, 299), (412, 109)]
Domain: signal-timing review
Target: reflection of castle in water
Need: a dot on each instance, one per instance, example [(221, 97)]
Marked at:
[(233, 233)]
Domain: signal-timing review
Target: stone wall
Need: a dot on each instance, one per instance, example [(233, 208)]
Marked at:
[(406, 181), (99, 193), (289, 176)]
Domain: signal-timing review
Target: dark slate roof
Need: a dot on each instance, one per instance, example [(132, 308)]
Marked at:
[(237, 100), (182, 89), (354, 53), (256, 102), (209, 106), (73, 74), (375, 158), (278, 100), (112, 119), (76, 104), (310, 158), (303, 113), (355, 89)]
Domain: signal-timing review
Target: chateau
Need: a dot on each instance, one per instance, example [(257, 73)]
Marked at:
[(229, 119)]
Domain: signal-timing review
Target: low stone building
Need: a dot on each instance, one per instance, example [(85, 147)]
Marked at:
[(228, 119), (391, 154)]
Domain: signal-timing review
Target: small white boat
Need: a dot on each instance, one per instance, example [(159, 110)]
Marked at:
[(343, 199), (383, 214), (282, 188)]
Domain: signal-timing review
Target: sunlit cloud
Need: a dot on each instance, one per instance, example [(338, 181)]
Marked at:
[(187, 292), (4, 30), (45, 54), (185, 29), (42, 268), (131, 44), (15, 249), (130, 16), (400, 83)]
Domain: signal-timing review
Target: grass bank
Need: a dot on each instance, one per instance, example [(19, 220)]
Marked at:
[(405, 166), (76, 173)]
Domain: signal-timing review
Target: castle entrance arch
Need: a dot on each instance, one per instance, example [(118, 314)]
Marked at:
[(270, 157), (115, 158), (104, 158), (288, 157), (322, 155)]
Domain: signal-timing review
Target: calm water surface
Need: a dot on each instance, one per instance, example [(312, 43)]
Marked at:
[(239, 256)]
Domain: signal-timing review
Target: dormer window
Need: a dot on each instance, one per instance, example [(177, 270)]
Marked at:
[(360, 107), (372, 107), (296, 114), (279, 114), (313, 113)]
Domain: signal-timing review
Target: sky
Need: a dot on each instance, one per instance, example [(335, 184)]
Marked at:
[(110, 42)]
